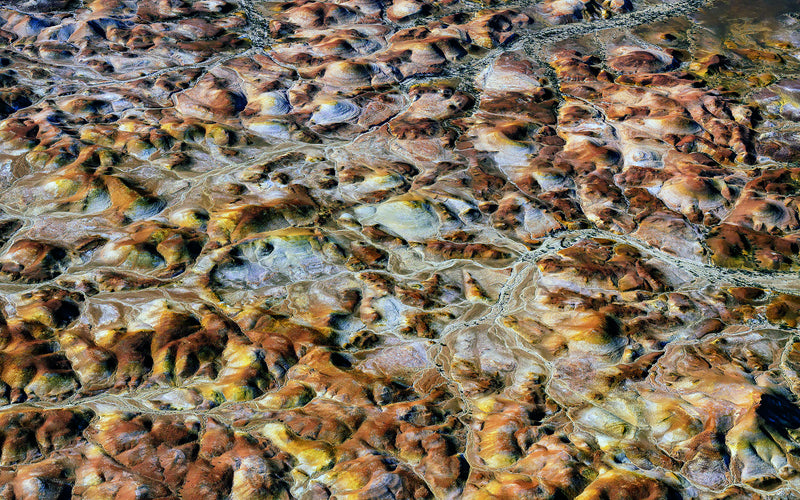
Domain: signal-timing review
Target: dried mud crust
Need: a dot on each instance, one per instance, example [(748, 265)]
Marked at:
[(404, 249)]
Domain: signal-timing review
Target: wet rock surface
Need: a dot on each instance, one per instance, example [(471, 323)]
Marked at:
[(399, 249)]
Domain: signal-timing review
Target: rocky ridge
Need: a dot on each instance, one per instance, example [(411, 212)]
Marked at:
[(399, 249)]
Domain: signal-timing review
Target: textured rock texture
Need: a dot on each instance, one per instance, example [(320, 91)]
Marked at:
[(399, 249)]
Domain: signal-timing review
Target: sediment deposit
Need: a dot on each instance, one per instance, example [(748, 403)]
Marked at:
[(374, 249)]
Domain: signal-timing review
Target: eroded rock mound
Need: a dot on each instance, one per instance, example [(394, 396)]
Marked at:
[(399, 249)]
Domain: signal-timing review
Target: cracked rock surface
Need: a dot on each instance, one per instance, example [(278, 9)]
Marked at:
[(405, 249)]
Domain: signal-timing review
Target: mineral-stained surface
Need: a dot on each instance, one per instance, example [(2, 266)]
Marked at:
[(399, 249)]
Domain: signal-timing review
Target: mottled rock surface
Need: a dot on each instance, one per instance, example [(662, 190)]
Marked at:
[(399, 249)]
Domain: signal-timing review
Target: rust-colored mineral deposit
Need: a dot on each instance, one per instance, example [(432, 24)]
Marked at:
[(399, 249)]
